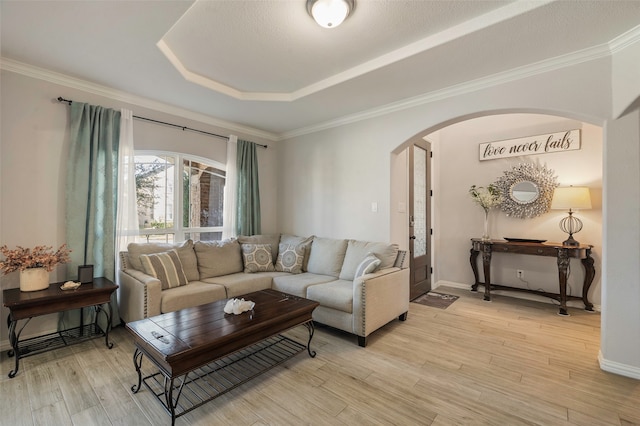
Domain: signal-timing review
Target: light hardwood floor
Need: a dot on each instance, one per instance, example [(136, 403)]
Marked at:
[(505, 362)]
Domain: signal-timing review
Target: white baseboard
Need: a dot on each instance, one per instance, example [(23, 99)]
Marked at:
[(618, 368), (516, 294)]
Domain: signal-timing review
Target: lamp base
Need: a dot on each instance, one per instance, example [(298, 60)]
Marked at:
[(570, 242)]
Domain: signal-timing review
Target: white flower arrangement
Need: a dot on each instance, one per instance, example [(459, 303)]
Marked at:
[(487, 198)]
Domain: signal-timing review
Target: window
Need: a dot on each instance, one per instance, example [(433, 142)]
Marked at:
[(178, 197)]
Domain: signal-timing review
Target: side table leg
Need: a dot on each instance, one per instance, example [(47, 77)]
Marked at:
[(563, 267), (106, 334), (311, 329), (589, 274), (13, 338), (137, 362)]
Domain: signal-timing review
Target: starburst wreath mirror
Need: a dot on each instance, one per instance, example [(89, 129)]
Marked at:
[(527, 190)]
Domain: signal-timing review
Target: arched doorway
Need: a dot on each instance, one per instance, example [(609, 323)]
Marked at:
[(455, 219)]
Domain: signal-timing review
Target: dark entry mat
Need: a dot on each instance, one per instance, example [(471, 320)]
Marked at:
[(436, 300)]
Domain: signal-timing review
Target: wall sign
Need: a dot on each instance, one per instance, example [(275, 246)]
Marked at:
[(541, 144)]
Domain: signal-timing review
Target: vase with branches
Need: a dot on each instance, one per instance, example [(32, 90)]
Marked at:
[(488, 198), (34, 264)]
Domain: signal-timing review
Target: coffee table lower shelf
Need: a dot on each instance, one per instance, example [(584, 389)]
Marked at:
[(218, 377)]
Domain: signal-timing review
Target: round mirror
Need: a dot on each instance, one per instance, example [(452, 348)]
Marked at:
[(525, 192)]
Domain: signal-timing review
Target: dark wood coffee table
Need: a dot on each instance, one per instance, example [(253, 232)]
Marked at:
[(211, 352)]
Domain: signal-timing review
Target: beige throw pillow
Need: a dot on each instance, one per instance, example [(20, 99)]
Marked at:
[(217, 258)]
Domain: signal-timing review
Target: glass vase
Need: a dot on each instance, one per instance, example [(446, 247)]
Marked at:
[(485, 234)]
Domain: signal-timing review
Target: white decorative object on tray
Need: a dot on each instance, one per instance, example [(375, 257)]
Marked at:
[(238, 306), (69, 285)]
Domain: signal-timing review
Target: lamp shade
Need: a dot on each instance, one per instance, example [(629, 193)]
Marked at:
[(329, 13), (571, 198)]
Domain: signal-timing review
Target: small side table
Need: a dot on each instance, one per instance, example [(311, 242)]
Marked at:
[(26, 305)]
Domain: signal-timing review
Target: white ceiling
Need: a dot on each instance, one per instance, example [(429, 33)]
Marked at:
[(266, 65)]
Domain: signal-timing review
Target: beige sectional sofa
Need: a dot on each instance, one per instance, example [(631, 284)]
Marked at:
[(360, 285)]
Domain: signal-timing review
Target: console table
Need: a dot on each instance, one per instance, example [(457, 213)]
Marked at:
[(561, 253), (26, 305)]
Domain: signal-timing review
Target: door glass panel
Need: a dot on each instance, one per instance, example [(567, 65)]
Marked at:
[(419, 201)]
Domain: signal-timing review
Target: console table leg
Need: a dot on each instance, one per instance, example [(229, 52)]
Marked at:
[(486, 263), (563, 267), (137, 362), (473, 258), (311, 329), (589, 274)]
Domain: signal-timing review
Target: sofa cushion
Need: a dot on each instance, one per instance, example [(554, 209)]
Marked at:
[(257, 258), (298, 284), (327, 255), (304, 241), (166, 267), (335, 295), (358, 250), (290, 258), (217, 258), (272, 240), (368, 265), (185, 252), (240, 283), (192, 294)]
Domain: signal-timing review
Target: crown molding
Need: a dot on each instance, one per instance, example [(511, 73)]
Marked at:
[(625, 40), (96, 89), (530, 70)]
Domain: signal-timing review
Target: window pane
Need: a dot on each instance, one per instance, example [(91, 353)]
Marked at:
[(154, 191), (155, 238), (203, 188), (203, 236)]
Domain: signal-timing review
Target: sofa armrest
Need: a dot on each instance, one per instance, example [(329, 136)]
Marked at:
[(379, 298), (140, 295)]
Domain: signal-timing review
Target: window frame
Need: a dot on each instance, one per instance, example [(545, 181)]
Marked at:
[(178, 230)]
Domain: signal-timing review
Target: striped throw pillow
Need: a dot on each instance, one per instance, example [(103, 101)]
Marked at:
[(368, 265), (166, 267)]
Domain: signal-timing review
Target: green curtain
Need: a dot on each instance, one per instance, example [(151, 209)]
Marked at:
[(92, 178), (248, 211)]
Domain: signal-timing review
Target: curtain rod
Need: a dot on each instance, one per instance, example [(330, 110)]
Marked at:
[(61, 99)]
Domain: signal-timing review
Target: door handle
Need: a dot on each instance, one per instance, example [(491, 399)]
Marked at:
[(413, 237)]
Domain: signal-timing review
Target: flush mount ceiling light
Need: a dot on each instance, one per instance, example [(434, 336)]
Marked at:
[(330, 13)]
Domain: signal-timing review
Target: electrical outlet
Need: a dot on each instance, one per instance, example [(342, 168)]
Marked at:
[(520, 274)]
